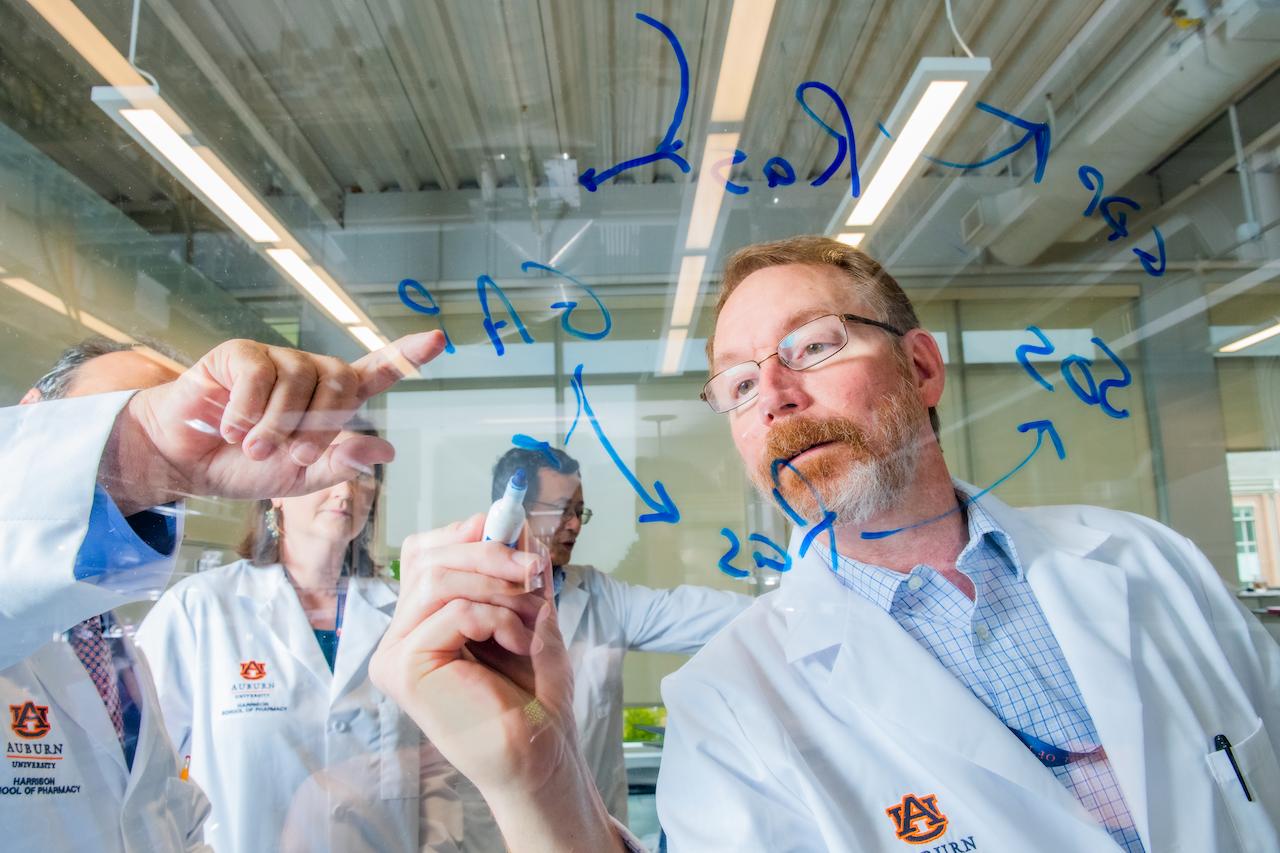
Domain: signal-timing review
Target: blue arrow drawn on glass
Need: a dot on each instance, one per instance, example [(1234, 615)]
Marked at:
[(664, 509), (1035, 130), (667, 148), (1041, 427)]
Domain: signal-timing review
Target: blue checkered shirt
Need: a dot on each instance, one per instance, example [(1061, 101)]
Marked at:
[(1000, 646)]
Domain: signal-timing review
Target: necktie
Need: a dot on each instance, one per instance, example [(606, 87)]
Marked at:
[(92, 649)]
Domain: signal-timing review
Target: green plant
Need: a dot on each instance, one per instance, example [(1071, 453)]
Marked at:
[(653, 715)]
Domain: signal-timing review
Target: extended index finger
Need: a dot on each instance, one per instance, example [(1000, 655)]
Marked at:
[(401, 358)]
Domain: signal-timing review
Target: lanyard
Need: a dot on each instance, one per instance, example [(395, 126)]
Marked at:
[(338, 613), (1050, 755)]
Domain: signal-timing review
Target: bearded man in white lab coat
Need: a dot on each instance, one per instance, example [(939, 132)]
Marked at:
[(984, 678), (602, 618), (90, 767)]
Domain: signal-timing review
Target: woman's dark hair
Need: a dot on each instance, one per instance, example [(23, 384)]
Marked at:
[(260, 548)]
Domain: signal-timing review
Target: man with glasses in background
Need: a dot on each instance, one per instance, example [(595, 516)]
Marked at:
[(602, 618)]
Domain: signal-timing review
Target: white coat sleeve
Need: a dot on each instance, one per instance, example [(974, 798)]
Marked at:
[(168, 638), (679, 620), (1253, 653), (49, 453), (715, 792)]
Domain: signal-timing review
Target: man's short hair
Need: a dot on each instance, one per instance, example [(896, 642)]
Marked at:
[(532, 461), (55, 384), (884, 297)]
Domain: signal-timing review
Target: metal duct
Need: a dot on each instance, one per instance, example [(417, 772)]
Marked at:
[(1165, 97)]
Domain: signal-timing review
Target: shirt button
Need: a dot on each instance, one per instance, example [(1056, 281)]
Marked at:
[(983, 632), (914, 583), (340, 725)]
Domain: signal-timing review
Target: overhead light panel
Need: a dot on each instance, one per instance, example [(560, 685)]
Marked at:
[(673, 352), (163, 133), (851, 238), (1252, 339), (371, 339), (938, 92), (310, 280), (743, 48), (194, 167), (710, 191), (38, 294), (687, 285)]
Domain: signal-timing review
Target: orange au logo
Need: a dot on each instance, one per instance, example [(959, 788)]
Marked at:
[(29, 720), (917, 820), (252, 670)]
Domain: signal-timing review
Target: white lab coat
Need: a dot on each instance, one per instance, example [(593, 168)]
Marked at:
[(814, 714), (298, 758), (602, 619), (50, 454)]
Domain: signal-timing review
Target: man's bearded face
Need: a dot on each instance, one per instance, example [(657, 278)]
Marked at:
[(856, 470)]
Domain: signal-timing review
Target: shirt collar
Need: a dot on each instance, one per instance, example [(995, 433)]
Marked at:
[(880, 586)]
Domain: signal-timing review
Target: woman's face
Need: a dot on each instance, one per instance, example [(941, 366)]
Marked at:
[(336, 514)]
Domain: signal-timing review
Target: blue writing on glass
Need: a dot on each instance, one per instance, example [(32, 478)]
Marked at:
[(726, 559), (1117, 221), (1088, 174), (779, 172), (667, 148), (664, 508), (1153, 265), (718, 169), (570, 306), (828, 521), (1024, 350), (483, 283), (1036, 131), (845, 143), (1107, 384), (1090, 397), (528, 442), (431, 310), (1041, 427), (763, 562)]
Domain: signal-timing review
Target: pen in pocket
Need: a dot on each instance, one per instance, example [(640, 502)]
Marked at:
[(1220, 744)]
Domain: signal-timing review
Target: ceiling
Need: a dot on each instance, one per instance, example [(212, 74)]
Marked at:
[(421, 138)]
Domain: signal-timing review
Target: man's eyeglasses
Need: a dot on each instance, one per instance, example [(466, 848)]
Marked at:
[(565, 512), (805, 347)]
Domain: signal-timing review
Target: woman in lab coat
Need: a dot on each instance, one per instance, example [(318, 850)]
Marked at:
[(262, 671)]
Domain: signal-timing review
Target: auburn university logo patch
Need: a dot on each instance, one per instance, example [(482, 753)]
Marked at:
[(29, 720), (917, 820), (252, 670)]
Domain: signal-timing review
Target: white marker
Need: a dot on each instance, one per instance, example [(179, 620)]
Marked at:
[(506, 517)]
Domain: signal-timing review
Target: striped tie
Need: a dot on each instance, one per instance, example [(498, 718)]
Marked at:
[(92, 649)]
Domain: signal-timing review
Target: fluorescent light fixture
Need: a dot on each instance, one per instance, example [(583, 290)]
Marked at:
[(1251, 339), (39, 294), (53, 303), (851, 238), (209, 183), (743, 47), (710, 191), (372, 340), (309, 279), (938, 92), (672, 355), (687, 285), (88, 41), (910, 143)]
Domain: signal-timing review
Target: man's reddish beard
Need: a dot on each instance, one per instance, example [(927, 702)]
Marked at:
[(888, 444)]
